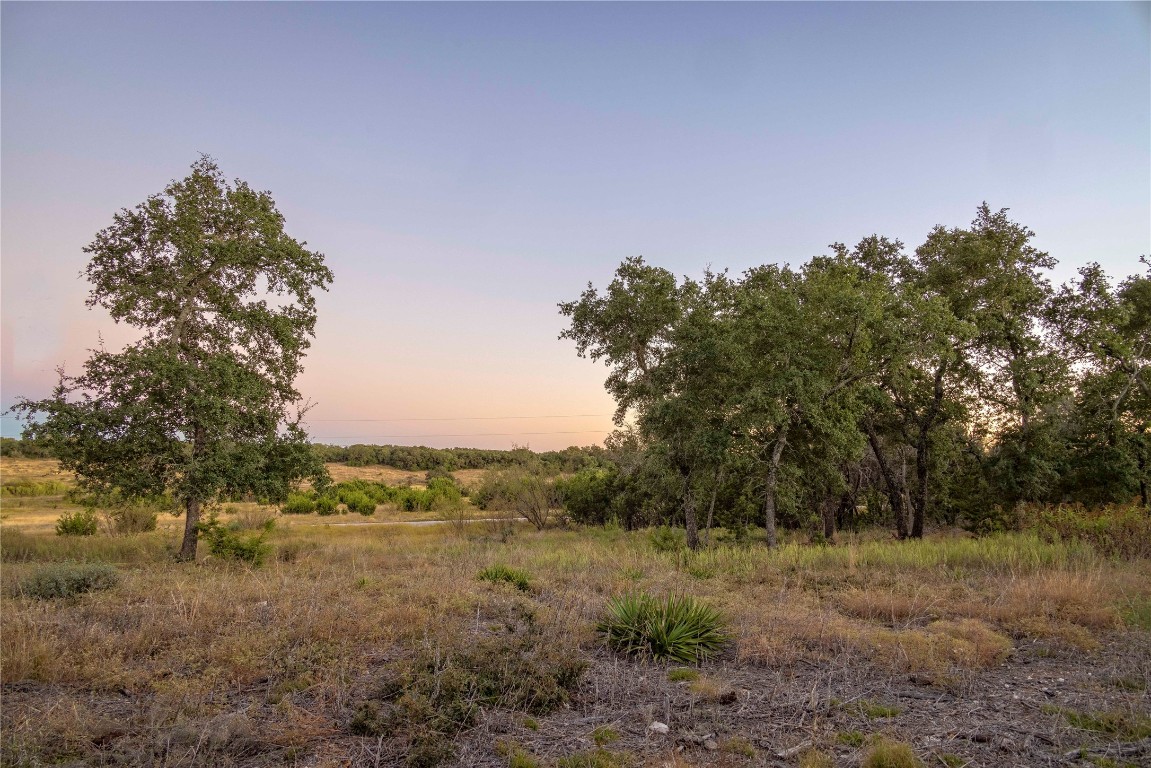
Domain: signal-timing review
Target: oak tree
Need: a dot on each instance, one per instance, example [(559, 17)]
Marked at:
[(203, 406)]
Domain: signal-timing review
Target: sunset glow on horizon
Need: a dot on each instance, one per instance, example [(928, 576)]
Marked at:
[(465, 168)]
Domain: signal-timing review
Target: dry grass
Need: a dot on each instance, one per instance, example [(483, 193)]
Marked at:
[(298, 643)]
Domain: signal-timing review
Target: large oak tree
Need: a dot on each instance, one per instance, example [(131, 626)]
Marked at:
[(203, 405)]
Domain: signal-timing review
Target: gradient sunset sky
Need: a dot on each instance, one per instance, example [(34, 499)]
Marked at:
[(464, 167)]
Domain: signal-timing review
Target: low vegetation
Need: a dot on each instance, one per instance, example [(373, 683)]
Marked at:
[(435, 645)]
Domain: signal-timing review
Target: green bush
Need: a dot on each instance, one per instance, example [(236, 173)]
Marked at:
[(680, 629), (229, 545), (299, 504), (133, 518), (501, 573), (360, 502), (69, 580), (326, 505), (82, 522), (667, 539)]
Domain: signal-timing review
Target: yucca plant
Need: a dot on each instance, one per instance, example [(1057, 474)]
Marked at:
[(679, 629)]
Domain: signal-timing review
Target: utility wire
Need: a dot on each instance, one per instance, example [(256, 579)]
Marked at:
[(474, 434)]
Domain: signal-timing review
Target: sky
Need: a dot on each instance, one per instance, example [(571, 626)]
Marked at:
[(465, 167)]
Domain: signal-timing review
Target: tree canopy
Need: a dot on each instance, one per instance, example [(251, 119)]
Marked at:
[(203, 404), (949, 383)]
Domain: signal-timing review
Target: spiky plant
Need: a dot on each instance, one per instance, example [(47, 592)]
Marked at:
[(679, 629)]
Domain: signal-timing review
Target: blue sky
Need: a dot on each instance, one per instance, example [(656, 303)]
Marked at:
[(465, 167)]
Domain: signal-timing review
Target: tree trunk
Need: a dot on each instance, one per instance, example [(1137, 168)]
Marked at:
[(191, 533), (193, 506), (711, 507), (689, 518), (827, 510), (894, 488), (770, 485)]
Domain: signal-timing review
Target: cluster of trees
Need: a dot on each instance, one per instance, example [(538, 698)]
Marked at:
[(420, 458), (950, 383)]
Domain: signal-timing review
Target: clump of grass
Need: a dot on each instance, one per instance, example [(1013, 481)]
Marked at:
[(1123, 725), (875, 710), (885, 753), (737, 745), (597, 758), (682, 675), (604, 734), (850, 738), (69, 580), (816, 758), (82, 522), (679, 629), (498, 574), (516, 755)]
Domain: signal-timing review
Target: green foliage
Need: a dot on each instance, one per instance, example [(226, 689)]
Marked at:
[(299, 504), (358, 501), (528, 493), (68, 580), (604, 735), (885, 753), (1122, 531), (25, 488), (227, 544), (1124, 725), (875, 710), (679, 629), (82, 522), (596, 758), (682, 674), (667, 539), (850, 738), (326, 505), (498, 573), (201, 406)]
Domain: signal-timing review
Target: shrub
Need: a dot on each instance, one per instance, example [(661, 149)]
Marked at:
[(133, 518), (229, 545), (667, 539), (299, 504), (358, 501), (69, 580), (680, 629), (326, 505), (426, 702), (82, 522), (501, 573)]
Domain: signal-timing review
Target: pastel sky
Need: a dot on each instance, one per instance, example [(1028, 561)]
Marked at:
[(464, 167)]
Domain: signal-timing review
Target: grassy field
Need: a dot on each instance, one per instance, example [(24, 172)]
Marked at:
[(380, 645)]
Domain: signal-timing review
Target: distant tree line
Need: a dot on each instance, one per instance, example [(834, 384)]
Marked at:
[(870, 386), (420, 458)]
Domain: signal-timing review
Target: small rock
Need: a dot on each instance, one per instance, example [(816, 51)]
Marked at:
[(658, 727), (710, 745)]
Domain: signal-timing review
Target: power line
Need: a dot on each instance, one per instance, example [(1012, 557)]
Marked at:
[(471, 418), (474, 434)]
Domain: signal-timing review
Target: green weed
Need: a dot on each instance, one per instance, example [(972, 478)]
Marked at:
[(680, 629)]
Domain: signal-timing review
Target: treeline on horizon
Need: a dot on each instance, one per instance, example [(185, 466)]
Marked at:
[(415, 458), (952, 384)]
